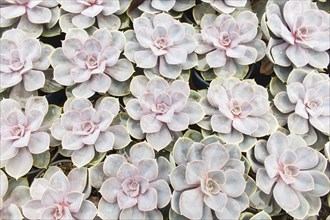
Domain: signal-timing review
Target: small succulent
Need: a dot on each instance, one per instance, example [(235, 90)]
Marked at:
[(23, 60), (208, 177), (226, 6), (136, 186), (56, 196), (306, 101), (291, 172), (155, 6), (32, 15), (20, 134), (83, 129), (238, 109), (90, 63), (230, 43), (161, 43), (160, 108), (301, 34), (12, 201)]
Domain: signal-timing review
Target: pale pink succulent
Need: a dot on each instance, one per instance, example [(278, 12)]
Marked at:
[(160, 108), (208, 178), (84, 129), (56, 196), (155, 6), (90, 63), (20, 134), (136, 187), (226, 6), (161, 43), (291, 172)]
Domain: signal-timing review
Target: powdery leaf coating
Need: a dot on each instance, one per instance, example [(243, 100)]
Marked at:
[(161, 108), (21, 136), (161, 43), (208, 177), (301, 34), (290, 171), (155, 6), (91, 62), (306, 101), (134, 187), (23, 60), (230, 42), (57, 196), (226, 6), (84, 129)]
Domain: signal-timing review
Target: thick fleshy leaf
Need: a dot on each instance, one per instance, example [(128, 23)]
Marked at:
[(285, 196), (264, 182), (39, 15), (235, 183), (179, 122), (148, 168), (39, 142), (177, 178), (277, 144), (110, 189), (107, 210), (216, 202), (195, 171), (14, 166), (83, 156), (104, 142), (159, 140), (191, 203), (32, 209), (148, 200), (163, 192)]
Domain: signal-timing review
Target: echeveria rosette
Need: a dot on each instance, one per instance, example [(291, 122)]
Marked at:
[(23, 61), (226, 6), (290, 172), (162, 44), (209, 177), (31, 16), (91, 63), (56, 196), (160, 108), (300, 34), (228, 44), (84, 129), (83, 14), (136, 187), (306, 102), (21, 134), (239, 111), (12, 201)]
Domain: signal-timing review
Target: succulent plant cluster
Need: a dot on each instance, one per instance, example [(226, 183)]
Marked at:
[(164, 109)]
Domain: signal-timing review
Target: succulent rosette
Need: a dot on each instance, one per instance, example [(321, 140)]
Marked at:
[(91, 63), (228, 44), (306, 103), (23, 61), (239, 111), (12, 201), (290, 172), (209, 177), (300, 34), (162, 44), (86, 13), (30, 16), (22, 134), (226, 6), (56, 196), (136, 187), (160, 108), (83, 129)]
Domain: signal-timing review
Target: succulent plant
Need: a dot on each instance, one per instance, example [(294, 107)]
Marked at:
[(20, 134), (56, 196), (161, 43), (238, 109), (155, 6), (83, 129), (23, 60), (300, 34), (136, 187), (291, 172), (32, 15), (306, 102), (159, 109), (230, 43), (90, 63), (226, 6), (12, 201), (208, 177)]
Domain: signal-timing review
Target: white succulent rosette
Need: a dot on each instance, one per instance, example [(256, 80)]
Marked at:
[(161, 44), (57, 196), (91, 64), (291, 173), (159, 110), (22, 134), (226, 6), (239, 111)]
